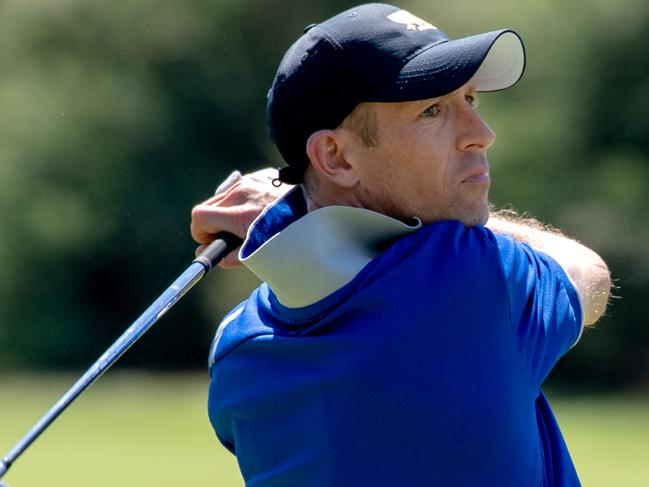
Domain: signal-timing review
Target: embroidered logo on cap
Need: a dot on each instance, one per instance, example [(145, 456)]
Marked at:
[(411, 21)]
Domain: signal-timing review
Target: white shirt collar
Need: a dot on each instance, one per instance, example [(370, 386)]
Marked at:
[(319, 252)]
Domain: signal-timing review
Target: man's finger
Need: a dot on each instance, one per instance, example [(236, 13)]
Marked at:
[(235, 195), (231, 260), (208, 220), (199, 250)]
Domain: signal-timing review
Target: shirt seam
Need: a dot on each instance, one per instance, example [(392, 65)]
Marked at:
[(243, 342), (534, 393)]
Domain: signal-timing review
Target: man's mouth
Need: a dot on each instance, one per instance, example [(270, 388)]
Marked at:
[(477, 177)]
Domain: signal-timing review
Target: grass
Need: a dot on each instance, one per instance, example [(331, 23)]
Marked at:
[(126, 430), (138, 429), (608, 437)]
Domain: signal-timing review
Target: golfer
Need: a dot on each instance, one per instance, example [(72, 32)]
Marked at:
[(402, 333)]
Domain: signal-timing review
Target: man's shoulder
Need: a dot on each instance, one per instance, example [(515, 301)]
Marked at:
[(439, 257), (449, 239), (239, 326)]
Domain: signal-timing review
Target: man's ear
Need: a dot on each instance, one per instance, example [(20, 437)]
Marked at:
[(325, 150)]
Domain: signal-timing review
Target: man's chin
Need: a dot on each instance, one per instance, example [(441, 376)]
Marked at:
[(478, 215)]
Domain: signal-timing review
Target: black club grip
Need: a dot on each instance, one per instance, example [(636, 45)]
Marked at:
[(223, 244)]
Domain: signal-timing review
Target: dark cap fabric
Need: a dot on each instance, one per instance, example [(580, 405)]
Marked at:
[(376, 53)]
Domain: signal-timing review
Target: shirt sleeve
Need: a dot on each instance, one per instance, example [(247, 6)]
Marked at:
[(545, 306)]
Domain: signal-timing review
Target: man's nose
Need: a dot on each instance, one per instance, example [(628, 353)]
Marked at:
[(473, 133)]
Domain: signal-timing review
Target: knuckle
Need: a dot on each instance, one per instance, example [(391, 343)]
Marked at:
[(198, 212), (193, 229)]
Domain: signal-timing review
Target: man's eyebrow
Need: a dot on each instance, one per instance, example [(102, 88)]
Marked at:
[(470, 90), (428, 101)]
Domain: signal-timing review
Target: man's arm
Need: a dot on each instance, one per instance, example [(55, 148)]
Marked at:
[(585, 268), (237, 203)]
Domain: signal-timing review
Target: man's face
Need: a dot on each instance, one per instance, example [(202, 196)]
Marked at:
[(430, 160)]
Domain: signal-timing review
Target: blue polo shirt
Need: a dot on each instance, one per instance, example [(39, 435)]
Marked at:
[(423, 369)]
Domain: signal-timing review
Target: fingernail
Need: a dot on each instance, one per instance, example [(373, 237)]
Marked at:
[(229, 181)]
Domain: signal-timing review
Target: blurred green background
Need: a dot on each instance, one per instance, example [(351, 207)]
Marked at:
[(117, 117)]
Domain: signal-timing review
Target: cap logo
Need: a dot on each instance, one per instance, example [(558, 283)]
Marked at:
[(410, 21)]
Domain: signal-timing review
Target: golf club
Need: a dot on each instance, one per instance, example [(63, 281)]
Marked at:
[(211, 256)]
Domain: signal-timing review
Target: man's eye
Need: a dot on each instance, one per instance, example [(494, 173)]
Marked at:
[(431, 111), (473, 100)]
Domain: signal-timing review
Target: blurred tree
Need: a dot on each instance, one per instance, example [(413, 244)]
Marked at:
[(117, 117)]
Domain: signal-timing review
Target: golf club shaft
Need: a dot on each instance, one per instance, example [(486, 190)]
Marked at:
[(212, 255)]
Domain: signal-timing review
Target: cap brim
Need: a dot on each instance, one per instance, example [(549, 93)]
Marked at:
[(492, 61)]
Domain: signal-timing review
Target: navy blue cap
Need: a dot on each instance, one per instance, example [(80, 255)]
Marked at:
[(376, 53)]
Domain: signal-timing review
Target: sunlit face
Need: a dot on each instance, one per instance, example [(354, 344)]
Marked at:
[(430, 160)]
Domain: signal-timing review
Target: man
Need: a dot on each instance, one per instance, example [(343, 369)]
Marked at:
[(396, 339)]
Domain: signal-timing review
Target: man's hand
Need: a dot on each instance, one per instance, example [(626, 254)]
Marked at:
[(234, 206)]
